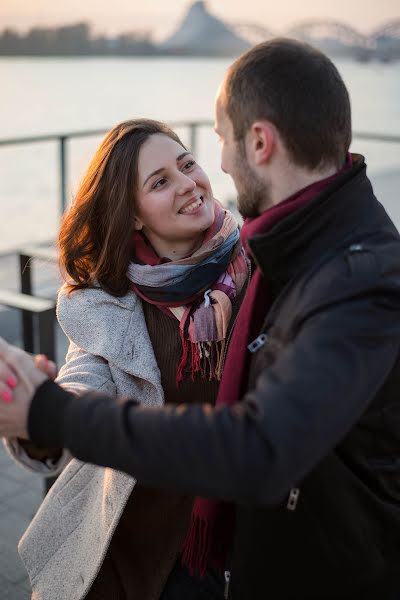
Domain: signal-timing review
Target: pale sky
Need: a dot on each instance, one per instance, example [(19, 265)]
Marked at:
[(163, 17)]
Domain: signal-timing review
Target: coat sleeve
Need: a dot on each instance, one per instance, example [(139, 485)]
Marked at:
[(255, 451), (82, 371)]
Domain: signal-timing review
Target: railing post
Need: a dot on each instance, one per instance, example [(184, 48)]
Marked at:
[(63, 172), (25, 267), (47, 344), (193, 138)]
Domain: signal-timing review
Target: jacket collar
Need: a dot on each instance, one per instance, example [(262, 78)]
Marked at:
[(332, 217)]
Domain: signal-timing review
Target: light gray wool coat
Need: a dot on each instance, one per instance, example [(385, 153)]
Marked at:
[(110, 350)]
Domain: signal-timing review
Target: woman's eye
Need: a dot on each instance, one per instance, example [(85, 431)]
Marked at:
[(189, 165), (159, 183)]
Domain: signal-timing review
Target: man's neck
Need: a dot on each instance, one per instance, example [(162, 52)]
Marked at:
[(291, 180)]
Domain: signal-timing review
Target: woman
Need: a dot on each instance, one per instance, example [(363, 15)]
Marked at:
[(155, 278)]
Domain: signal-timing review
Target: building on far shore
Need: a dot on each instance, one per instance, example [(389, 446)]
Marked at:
[(201, 33)]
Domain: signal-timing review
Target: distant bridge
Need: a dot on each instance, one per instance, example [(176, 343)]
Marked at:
[(328, 31), (390, 29), (344, 34)]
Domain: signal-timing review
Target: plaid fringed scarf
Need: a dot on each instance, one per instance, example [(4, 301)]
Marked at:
[(197, 290)]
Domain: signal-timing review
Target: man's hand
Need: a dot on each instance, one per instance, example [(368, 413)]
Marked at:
[(20, 375)]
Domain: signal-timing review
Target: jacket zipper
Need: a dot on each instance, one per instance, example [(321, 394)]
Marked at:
[(227, 576), (258, 343), (294, 493), (293, 498)]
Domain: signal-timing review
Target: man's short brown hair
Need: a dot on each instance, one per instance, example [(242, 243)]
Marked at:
[(298, 89)]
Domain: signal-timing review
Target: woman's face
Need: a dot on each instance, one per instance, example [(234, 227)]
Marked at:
[(174, 200)]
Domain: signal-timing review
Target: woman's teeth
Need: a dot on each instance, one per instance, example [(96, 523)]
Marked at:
[(191, 207)]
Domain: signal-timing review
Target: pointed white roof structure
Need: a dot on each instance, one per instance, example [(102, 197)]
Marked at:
[(203, 34)]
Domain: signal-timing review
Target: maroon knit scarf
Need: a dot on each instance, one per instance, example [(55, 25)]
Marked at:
[(210, 533)]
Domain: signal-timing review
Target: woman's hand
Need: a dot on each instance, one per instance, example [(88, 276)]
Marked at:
[(20, 375)]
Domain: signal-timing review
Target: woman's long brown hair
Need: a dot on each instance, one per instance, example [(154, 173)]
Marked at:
[(95, 238)]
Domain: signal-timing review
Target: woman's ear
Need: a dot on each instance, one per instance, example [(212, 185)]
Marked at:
[(137, 224)]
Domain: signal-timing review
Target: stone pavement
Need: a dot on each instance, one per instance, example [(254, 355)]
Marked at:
[(20, 495)]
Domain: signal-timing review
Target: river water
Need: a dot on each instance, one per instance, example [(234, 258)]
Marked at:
[(53, 95)]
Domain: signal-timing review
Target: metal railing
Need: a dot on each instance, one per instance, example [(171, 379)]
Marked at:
[(191, 126), (63, 138)]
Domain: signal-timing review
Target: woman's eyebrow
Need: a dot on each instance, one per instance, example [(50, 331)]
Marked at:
[(156, 172), (161, 169), (182, 155)]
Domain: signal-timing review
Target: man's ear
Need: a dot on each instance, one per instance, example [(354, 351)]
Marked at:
[(261, 141), (137, 224)]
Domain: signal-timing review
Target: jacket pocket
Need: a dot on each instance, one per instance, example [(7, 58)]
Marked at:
[(361, 260)]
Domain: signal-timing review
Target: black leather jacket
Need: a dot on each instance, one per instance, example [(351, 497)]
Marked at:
[(311, 456)]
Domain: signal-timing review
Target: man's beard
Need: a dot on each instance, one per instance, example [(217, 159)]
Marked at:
[(254, 195)]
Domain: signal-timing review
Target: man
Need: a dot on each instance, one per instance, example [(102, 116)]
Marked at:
[(305, 436)]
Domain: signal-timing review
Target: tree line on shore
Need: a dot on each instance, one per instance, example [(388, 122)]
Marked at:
[(76, 39)]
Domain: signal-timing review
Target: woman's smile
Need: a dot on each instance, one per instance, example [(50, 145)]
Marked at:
[(192, 206)]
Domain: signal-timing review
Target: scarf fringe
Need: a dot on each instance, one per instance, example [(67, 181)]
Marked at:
[(208, 540), (184, 357), (197, 546), (220, 359), (207, 358)]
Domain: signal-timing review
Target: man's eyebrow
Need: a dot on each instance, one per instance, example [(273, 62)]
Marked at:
[(157, 171)]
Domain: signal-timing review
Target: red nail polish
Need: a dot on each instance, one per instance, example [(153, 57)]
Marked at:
[(6, 396), (11, 382)]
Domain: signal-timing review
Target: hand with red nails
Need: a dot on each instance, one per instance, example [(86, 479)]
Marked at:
[(20, 375)]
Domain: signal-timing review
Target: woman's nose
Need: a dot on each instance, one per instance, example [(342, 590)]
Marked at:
[(185, 184)]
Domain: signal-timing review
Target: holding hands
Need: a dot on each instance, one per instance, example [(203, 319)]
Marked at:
[(20, 375)]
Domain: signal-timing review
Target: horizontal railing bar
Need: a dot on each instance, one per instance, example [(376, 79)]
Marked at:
[(25, 301), (51, 137), (47, 253), (378, 137), (92, 132)]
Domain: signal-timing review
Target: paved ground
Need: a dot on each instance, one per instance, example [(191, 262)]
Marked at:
[(20, 491), (20, 496)]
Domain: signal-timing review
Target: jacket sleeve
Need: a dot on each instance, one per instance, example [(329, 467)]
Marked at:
[(255, 451), (84, 371)]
